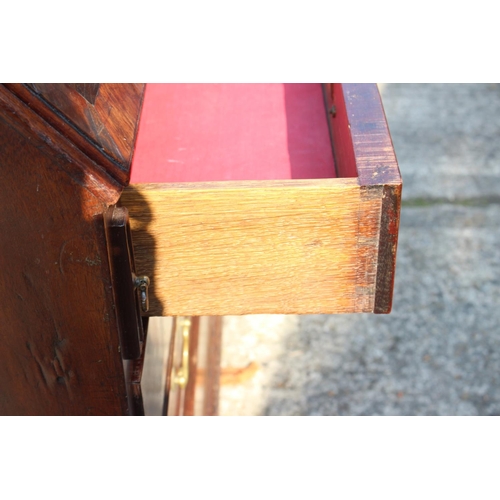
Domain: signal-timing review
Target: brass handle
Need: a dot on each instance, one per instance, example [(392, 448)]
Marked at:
[(181, 375), (141, 283)]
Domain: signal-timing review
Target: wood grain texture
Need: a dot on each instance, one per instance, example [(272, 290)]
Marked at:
[(88, 90), (256, 247), (88, 173), (59, 347), (388, 242), (100, 119)]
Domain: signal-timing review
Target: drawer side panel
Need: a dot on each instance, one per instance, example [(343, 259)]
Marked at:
[(294, 248)]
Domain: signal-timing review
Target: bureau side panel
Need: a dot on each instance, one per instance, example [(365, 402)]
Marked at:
[(59, 350)]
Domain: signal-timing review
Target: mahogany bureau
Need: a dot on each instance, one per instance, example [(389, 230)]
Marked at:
[(119, 202)]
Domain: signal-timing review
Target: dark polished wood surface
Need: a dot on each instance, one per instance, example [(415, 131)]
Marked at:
[(101, 119), (59, 346), (379, 176), (363, 148)]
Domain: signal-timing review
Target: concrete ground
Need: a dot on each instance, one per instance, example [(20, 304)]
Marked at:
[(438, 352)]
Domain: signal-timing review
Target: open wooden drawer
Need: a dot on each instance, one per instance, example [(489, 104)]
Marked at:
[(248, 199)]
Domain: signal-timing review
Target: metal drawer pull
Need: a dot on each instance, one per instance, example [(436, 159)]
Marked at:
[(141, 283), (182, 374)]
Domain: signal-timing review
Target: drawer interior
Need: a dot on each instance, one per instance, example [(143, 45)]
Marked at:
[(232, 132), (264, 198)]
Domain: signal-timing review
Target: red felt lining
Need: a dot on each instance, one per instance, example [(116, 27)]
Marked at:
[(215, 132)]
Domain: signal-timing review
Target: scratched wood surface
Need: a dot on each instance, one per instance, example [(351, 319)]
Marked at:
[(99, 118), (250, 248), (59, 346)]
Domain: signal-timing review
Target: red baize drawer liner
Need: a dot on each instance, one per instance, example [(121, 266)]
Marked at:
[(218, 132)]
